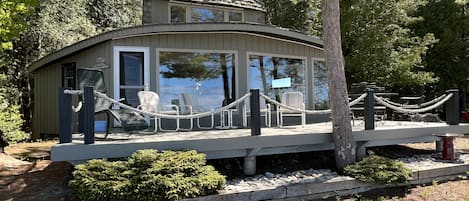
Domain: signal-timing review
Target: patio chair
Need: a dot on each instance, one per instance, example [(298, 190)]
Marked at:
[(190, 105), (149, 102), (265, 111), (295, 100), (130, 121)]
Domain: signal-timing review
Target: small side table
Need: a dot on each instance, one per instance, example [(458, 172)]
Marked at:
[(448, 145)]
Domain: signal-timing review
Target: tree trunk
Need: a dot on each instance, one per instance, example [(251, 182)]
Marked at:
[(224, 72), (342, 128), (3, 143), (263, 78), (276, 62), (233, 78)]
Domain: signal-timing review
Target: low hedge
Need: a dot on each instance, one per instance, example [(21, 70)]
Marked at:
[(379, 170), (147, 175)]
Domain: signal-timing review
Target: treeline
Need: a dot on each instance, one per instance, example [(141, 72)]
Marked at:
[(32, 29), (408, 46)]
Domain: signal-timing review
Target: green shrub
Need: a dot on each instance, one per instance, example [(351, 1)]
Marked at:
[(147, 175), (10, 124), (10, 117), (379, 170)]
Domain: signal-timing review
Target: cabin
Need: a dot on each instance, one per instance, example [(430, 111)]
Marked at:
[(217, 49)]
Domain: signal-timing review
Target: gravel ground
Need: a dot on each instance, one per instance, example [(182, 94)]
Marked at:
[(272, 180)]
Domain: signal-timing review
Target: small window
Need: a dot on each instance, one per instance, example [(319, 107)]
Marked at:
[(69, 75), (235, 17), (207, 15), (178, 14)]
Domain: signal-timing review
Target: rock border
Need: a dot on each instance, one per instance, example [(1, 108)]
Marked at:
[(338, 186)]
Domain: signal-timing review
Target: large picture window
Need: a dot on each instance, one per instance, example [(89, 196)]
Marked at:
[(320, 85), (209, 76), (276, 75)]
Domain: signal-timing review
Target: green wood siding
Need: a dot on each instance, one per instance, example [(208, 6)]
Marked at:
[(160, 12), (46, 84), (48, 80)]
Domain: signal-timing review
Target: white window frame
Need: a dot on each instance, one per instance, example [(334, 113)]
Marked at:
[(146, 66), (313, 60), (188, 7), (158, 50)]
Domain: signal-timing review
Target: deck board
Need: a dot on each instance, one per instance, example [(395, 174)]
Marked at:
[(236, 142)]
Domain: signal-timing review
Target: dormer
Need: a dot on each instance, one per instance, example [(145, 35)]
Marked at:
[(203, 11)]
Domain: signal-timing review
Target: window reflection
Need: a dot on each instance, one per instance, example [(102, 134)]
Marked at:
[(131, 76), (320, 86), (69, 75), (235, 17), (265, 69), (207, 15), (178, 14), (210, 76)]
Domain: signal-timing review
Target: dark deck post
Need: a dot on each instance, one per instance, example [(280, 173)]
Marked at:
[(453, 114), (65, 117), (250, 160), (255, 113), (370, 109), (88, 115)]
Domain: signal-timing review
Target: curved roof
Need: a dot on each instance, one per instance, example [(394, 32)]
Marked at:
[(251, 4), (258, 29)]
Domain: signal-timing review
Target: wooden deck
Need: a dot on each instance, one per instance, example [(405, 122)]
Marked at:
[(240, 143)]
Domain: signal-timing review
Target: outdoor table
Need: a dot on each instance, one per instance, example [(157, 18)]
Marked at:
[(448, 144)]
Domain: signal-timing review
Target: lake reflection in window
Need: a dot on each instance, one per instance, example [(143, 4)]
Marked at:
[(210, 76), (207, 15), (320, 86), (264, 69)]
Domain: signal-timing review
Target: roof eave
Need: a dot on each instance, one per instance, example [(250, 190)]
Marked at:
[(150, 29)]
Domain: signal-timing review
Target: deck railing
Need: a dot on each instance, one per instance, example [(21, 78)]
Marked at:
[(87, 116)]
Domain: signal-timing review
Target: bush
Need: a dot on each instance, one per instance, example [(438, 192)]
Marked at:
[(10, 117), (379, 170), (10, 125), (147, 175)]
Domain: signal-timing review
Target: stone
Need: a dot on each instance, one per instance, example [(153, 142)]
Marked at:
[(269, 175)]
